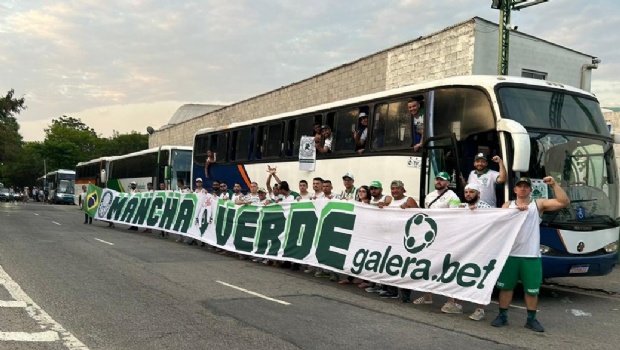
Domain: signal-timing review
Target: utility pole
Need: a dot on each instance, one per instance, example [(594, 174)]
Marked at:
[(504, 7)]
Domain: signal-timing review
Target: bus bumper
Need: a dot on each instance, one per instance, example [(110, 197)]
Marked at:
[(575, 266)]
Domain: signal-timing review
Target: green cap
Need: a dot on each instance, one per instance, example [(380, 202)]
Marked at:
[(375, 184), (443, 175), (524, 180)]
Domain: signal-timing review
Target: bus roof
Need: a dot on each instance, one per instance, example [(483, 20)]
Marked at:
[(153, 150), (61, 171), (486, 81), (96, 160)]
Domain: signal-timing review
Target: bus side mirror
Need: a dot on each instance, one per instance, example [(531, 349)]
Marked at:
[(616, 138), (103, 176), (167, 172), (520, 143)]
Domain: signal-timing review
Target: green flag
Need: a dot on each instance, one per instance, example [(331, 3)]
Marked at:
[(91, 203)]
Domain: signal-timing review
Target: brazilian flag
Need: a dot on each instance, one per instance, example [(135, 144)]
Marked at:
[(91, 203)]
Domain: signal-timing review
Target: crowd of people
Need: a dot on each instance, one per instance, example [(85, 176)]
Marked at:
[(523, 264)]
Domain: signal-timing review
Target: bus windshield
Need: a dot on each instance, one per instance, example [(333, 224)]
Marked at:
[(584, 168), (547, 109), (181, 165), (65, 186)]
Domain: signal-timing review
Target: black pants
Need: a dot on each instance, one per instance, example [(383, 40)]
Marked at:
[(88, 219)]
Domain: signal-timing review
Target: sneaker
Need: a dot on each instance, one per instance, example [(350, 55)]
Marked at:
[(375, 289), (256, 260), (309, 269), (452, 308), (534, 325), (388, 294), (321, 274), (500, 321), (343, 282), (477, 315), (421, 300), (334, 277)]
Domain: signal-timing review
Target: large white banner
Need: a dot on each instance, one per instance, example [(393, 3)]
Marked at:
[(453, 252)]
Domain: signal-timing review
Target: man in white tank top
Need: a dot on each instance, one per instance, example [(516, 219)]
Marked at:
[(524, 261)]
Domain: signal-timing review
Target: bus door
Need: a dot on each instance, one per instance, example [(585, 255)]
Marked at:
[(440, 154)]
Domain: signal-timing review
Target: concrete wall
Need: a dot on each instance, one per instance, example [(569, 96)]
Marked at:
[(562, 65)]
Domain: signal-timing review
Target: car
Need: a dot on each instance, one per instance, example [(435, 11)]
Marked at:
[(6, 195)]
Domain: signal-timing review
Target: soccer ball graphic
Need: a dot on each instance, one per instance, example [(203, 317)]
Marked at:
[(419, 225)]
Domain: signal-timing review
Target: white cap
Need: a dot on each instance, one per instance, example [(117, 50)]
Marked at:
[(132, 183), (198, 180), (474, 187), (362, 115)]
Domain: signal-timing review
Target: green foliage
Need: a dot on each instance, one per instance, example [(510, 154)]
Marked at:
[(68, 141), (9, 128)]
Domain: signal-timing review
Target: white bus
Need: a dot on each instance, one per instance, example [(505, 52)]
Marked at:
[(60, 186), (165, 164), (93, 172), (538, 127)]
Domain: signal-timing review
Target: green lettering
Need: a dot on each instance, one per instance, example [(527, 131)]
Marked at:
[(116, 208), (247, 225), (487, 269), (143, 209), (224, 221), (463, 273), (185, 214), (169, 212), (408, 261), (385, 258), (393, 261), (155, 211), (130, 208), (373, 262), (301, 227), (449, 270), (357, 263), (272, 226), (330, 237), (422, 272)]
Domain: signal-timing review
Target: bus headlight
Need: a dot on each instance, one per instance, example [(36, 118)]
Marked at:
[(611, 247), (544, 249)]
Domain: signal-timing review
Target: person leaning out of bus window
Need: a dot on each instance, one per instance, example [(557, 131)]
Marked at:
[(209, 162), (417, 123), (361, 134), (328, 137)]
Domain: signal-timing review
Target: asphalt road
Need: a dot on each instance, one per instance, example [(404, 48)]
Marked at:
[(74, 286)]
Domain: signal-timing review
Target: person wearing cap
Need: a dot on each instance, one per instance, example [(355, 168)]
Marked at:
[(472, 202), (380, 200), (441, 197), (328, 138), (417, 123), (524, 260), (199, 188), (361, 134), (399, 200), (349, 192), (487, 178)]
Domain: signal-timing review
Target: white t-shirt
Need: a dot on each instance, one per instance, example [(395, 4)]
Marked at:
[(236, 197), (328, 143), (448, 200), (527, 243), (252, 198), (486, 181), (306, 196)]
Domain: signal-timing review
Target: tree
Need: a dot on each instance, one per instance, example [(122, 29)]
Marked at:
[(10, 139), (27, 166), (69, 141)]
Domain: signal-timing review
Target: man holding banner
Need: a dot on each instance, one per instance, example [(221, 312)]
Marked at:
[(524, 261)]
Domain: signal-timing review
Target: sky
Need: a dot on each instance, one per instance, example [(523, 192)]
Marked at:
[(128, 64)]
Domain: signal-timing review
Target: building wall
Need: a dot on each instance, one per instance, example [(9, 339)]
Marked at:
[(526, 52)]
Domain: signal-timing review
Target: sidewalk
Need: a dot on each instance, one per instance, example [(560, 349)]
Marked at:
[(609, 284)]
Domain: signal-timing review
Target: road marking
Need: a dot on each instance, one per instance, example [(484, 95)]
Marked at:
[(56, 223), (12, 303), (47, 336), (36, 214), (253, 293), (55, 332), (102, 241)]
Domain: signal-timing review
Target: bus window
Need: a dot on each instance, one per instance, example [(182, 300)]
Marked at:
[(391, 126), (201, 144), (344, 126), (219, 144), (289, 143), (304, 126), (242, 144), (461, 111), (273, 144)]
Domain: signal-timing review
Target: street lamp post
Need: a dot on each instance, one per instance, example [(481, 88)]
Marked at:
[(504, 7)]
